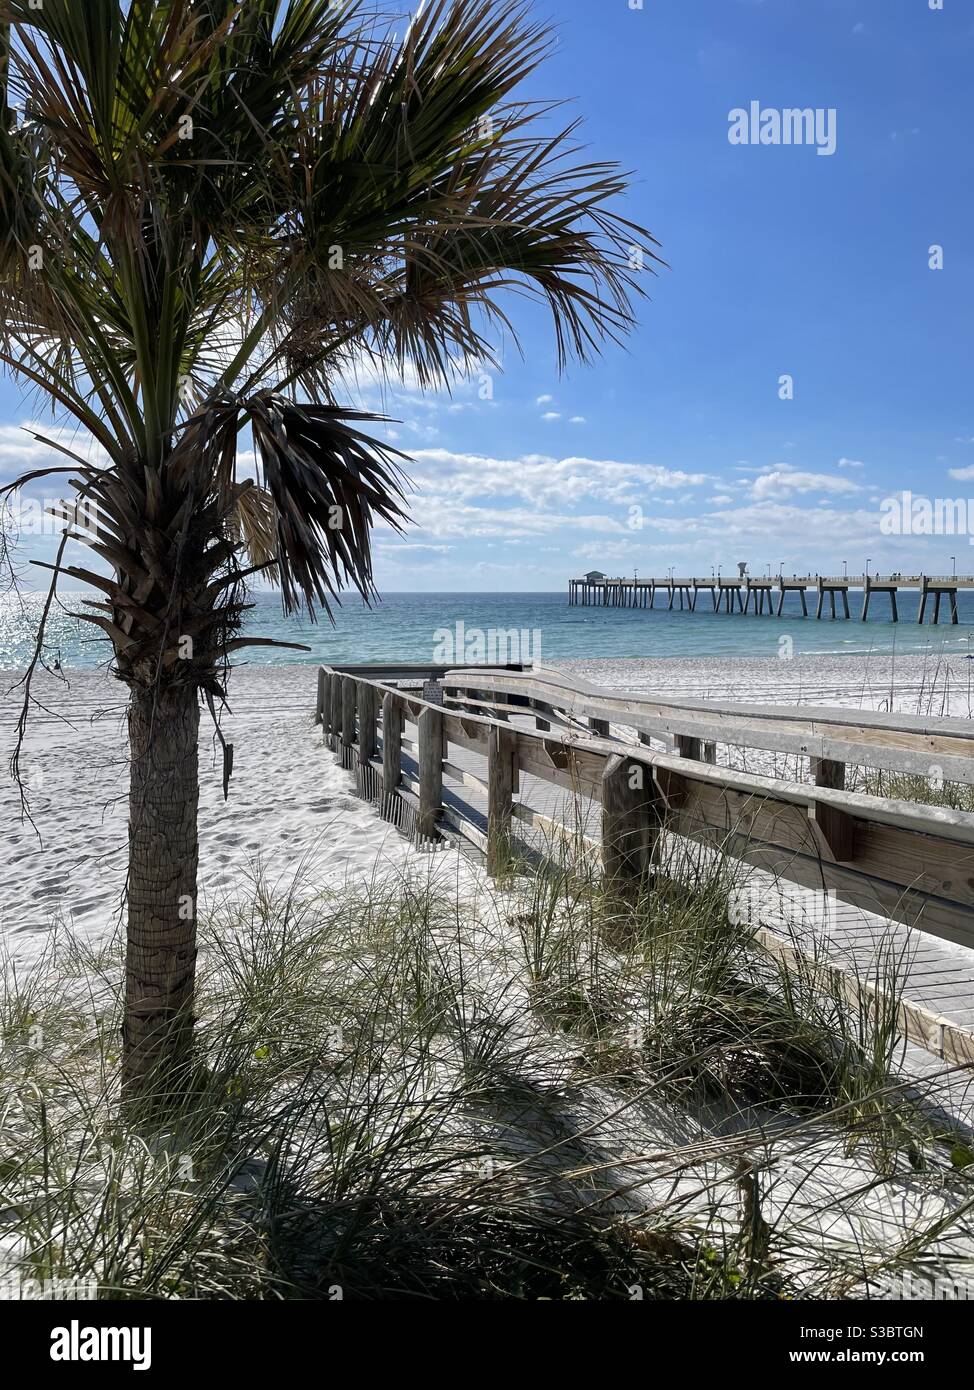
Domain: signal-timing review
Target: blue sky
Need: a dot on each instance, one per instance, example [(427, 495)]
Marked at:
[(781, 261)]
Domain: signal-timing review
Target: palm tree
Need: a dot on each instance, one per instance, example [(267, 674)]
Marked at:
[(210, 211)]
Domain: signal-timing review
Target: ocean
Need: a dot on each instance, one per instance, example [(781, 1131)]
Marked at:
[(456, 627)]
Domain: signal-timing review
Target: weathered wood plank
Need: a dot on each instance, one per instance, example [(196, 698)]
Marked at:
[(320, 701), (501, 750), (557, 828), (563, 763), (391, 752), (367, 698), (349, 701), (629, 822), (430, 726), (335, 723), (465, 778), (465, 828), (932, 1031), (905, 743), (828, 773)]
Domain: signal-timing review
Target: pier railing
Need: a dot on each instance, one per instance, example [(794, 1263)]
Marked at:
[(908, 862), (736, 593)]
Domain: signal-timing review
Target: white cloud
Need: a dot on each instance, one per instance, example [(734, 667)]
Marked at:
[(779, 522), (578, 420), (607, 551), (427, 432), (21, 452), (544, 481), (851, 463), (551, 415), (446, 519), (962, 475), (390, 550), (783, 481), (544, 400)]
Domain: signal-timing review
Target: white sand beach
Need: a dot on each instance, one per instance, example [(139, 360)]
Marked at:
[(291, 808)]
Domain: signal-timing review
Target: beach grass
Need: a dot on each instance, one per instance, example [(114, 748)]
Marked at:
[(423, 1088)]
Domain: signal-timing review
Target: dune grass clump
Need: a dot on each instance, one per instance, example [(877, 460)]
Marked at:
[(674, 980), (339, 1139), (932, 790), (436, 1088)]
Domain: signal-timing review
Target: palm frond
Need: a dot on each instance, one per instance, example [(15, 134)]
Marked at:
[(255, 518), (189, 169), (329, 484)]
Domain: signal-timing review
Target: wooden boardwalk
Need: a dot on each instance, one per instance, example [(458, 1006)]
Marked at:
[(932, 965), (934, 975)]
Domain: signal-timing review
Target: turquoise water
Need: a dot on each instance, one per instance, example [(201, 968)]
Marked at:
[(412, 627)]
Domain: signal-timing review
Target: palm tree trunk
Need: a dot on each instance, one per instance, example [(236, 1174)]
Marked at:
[(163, 857)]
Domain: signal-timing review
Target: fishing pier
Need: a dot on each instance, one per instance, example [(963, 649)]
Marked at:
[(765, 595)]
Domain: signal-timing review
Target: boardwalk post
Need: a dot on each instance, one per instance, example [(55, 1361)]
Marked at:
[(391, 754), (628, 802), (365, 776), (323, 712), (700, 750), (348, 719), (430, 726), (335, 701), (501, 746), (366, 723), (828, 773)]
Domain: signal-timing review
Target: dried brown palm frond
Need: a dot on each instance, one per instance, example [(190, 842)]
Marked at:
[(255, 518)]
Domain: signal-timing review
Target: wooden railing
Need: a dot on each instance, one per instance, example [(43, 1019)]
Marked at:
[(829, 737), (908, 862)]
